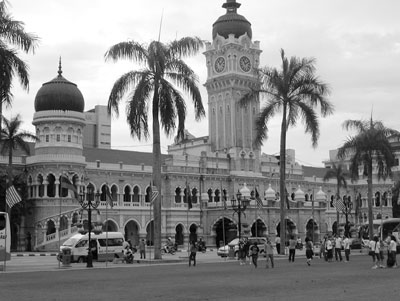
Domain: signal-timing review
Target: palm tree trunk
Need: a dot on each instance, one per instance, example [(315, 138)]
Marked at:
[(370, 217), (282, 182), (157, 176), (337, 211)]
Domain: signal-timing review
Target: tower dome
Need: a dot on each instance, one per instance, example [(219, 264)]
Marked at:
[(231, 22), (59, 94)]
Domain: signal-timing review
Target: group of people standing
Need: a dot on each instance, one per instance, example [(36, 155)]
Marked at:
[(252, 250), (335, 245), (376, 251)]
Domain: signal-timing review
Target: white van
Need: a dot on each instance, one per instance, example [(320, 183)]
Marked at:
[(107, 245)]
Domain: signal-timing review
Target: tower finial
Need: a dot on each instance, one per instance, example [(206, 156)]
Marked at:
[(59, 67), (231, 6)]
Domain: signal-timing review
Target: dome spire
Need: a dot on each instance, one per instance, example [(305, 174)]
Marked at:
[(59, 67), (231, 6)]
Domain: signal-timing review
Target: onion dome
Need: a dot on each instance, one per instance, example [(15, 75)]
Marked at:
[(59, 94), (320, 196), (231, 22), (270, 193), (299, 195)]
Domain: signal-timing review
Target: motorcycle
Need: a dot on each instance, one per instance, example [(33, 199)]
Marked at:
[(201, 247), (166, 249), (128, 255)]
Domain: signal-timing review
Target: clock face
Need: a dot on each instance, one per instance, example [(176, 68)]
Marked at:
[(220, 64), (245, 63)]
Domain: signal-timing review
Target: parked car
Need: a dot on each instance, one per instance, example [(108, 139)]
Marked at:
[(224, 251)]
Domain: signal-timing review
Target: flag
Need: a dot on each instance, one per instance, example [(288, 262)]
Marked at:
[(109, 199), (154, 194), (223, 197), (12, 196), (259, 201), (188, 198), (66, 184), (339, 204), (287, 198)]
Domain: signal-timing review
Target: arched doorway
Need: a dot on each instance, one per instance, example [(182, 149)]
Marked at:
[(193, 233), (225, 230), (109, 226), (150, 233), (51, 227), (179, 238), (290, 229), (258, 229), (335, 227), (312, 230), (132, 232)]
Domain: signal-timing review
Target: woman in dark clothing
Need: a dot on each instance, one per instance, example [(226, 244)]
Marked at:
[(309, 250)]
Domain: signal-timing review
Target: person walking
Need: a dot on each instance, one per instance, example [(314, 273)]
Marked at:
[(338, 248), (246, 250), (254, 250), (241, 253), (346, 245), (392, 248), (142, 249), (329, 250), (193, 252), (292, 248), (278, 244), (309, 251), (269, 253), (372, 250)]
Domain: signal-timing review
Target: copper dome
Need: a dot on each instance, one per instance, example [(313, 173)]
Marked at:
[(231, 22), (59, 94)]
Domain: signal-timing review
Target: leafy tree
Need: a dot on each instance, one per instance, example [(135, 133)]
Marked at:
[(12, 138), (12, 37), (296, 91), (155, 87), (369, 147), (339, 173)]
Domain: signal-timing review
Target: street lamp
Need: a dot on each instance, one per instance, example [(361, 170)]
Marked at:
[(347, 207), (240, 204), (92, 201)]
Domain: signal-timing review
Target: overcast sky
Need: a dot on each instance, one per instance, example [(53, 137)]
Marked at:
[(356, 44)]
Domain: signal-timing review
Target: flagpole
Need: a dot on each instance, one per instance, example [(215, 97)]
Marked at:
[(106, 223), (223, 219), (5, 244), (59, 223), (256, 211), (187, 214), (151, 203)]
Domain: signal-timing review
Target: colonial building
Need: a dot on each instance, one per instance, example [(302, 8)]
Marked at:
[(207, 172)]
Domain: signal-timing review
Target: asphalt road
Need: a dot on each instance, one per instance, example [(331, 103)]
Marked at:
[(212, 279)]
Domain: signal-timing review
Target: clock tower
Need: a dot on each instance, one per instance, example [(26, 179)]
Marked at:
[(232, 59)]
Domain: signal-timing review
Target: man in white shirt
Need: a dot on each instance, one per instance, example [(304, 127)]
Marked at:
[(346, 244), (338, 248)]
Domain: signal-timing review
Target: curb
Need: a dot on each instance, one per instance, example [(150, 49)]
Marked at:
[(32, 254)]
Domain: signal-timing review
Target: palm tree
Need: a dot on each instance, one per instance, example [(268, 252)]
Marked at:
[(368, 147), (156, 87), (13, 138), (339, 173), (296, 91), (12, 32)]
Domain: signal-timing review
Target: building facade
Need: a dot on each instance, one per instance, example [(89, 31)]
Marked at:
[(207, 172)]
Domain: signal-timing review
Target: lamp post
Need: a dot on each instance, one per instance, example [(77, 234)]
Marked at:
[(348, 206), (320, 197), (92, 201), (240, 204)]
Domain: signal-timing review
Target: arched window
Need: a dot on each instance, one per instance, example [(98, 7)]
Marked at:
[(136, 196), (178, 195), (127, 194)]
